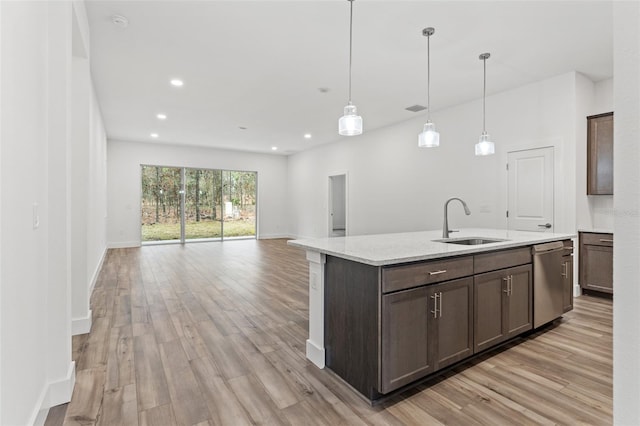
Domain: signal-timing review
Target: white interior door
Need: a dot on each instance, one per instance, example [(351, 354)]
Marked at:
[(337, 205), (530, 190)]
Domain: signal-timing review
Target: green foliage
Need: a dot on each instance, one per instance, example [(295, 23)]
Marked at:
[(203, 229)]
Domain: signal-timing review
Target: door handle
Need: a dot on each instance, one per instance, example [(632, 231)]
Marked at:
[(546, 225)]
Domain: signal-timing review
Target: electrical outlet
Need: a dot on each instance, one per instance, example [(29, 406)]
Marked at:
[(36, 216)]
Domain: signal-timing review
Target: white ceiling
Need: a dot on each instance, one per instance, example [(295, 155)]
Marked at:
[(260, 64)]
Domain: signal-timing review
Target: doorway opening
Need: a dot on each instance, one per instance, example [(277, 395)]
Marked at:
[(180, 204), (338, 205)]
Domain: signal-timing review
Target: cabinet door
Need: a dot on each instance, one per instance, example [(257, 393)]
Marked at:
[(518, 300), (452, 323), (406, 355), (597, 268), (600, 154), (489, 313), (567, 284)]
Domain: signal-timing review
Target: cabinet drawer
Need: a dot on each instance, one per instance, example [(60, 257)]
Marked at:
[(501, 259), (408, 276), (596, 239)]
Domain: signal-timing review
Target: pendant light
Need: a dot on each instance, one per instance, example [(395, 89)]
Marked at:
[(350, 124), (484, 145), (429, 137)]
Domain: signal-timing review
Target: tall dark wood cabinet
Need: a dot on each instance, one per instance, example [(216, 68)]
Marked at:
[(596, 262), (600, 154)]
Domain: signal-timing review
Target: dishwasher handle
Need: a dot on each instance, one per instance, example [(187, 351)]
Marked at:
[(547, 248)]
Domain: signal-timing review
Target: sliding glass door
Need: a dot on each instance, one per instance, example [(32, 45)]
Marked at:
[(160, 203), (239, 196), (183, 204), (203, 218)]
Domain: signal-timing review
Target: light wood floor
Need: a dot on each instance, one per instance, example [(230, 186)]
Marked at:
[(214, 333)]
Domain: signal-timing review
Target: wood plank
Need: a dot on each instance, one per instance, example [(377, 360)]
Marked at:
[(151, 384), (87, 397), (186, 396), (224, 407), (119, 407)]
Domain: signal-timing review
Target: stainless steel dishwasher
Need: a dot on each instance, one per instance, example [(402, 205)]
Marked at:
[(547, 282)]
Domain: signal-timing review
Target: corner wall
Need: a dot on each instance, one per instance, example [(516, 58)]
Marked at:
[(123, 173), (626, 182), (37, 118), (394, 186)]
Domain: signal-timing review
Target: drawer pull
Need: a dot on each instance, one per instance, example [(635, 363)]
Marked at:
[(604, 240), (442, 271)]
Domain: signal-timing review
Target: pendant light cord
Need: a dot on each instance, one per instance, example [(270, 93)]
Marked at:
[(484, 97), (350, 45), (428, 79)]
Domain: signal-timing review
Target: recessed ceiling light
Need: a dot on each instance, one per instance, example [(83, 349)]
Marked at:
[(154, 135), (307, 135), (177, 83), (162, 116), (274, 148)]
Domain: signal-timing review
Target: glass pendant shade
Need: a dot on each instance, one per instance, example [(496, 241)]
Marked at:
[(350, 124), (429, 138), (485, 146)]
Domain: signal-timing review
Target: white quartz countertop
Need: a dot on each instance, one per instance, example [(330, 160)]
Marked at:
[(389, 249), (596, 230)]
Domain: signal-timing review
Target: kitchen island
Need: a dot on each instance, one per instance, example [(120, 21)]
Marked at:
[(387, 310)]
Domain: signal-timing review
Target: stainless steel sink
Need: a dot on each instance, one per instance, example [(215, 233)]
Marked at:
[(472, 241)]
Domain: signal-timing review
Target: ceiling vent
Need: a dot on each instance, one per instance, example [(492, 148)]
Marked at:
[(120, 21), (416, 108)]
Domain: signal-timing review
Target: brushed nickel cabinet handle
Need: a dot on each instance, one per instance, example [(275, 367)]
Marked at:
[(442, 271), (564, 269), (605, 240), (435, 305), (440, 304), (507, 280), (510, 285)]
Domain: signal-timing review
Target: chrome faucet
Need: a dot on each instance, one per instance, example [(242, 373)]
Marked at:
[(445, 226)]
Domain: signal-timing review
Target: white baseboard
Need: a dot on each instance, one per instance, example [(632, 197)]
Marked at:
[(273, 236), (124, 244), (96, 272), (81, 325), (315, 354), (54, 393)]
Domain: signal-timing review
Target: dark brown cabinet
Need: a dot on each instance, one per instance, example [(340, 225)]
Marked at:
[(502, 305), (596, 262), (406, 355), (567, 276), (425, 329), (600, 154)]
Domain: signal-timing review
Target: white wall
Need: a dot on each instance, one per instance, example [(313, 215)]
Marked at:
[(395, 186), (626, 265), (123, 174), (88, 193), (36, 132), (592, 211)]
